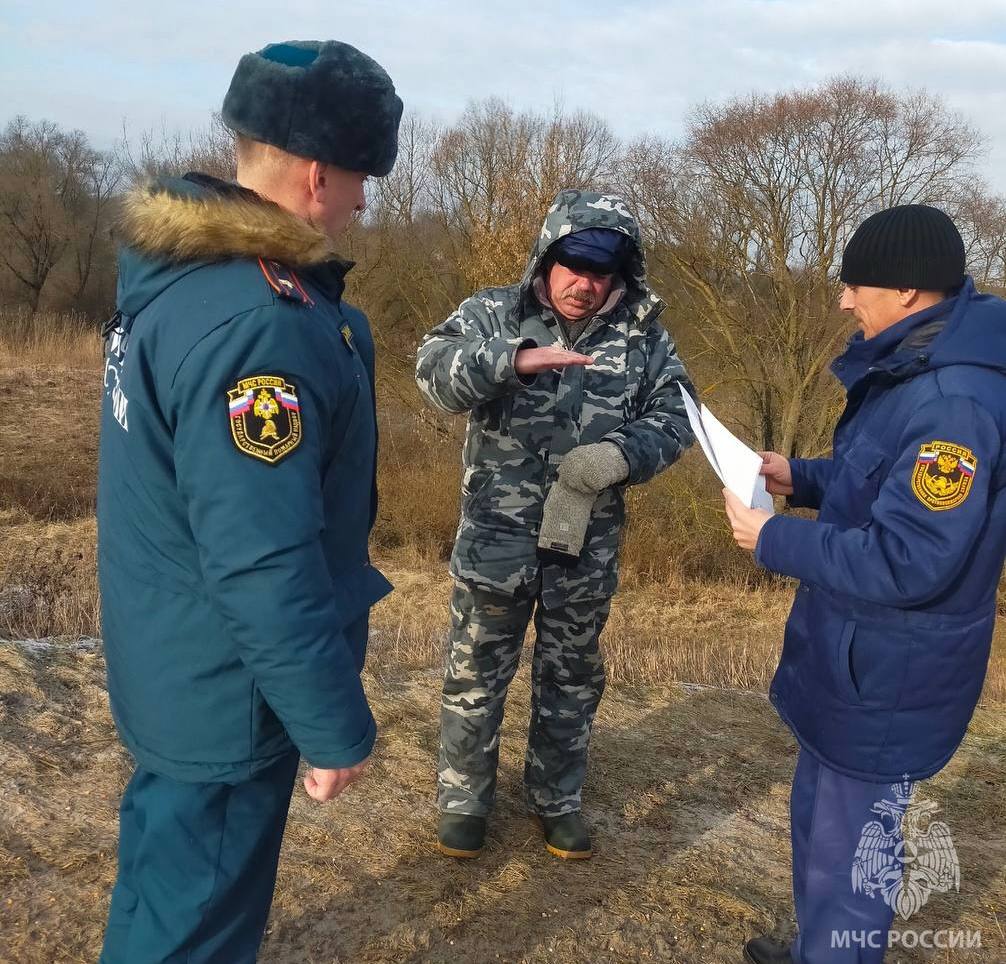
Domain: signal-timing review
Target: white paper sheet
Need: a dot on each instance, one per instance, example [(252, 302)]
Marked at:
[(738, 467), (695, 419)]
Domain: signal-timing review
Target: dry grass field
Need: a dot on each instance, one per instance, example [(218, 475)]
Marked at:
[(687, 797), (688, 785)]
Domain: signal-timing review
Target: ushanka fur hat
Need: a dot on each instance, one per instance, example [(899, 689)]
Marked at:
[(323, 100)]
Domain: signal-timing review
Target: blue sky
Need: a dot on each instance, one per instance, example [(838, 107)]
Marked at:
[(640, 64)]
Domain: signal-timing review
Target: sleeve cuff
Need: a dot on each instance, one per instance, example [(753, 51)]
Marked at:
[(524, 380), (348, 757), (619, 444), (804, 496)]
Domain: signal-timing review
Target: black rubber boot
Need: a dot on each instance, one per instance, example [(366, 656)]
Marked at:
[(461, 834), (764, 950), (566, 836)]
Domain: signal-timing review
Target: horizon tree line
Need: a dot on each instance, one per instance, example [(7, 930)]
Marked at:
[(744, 218)]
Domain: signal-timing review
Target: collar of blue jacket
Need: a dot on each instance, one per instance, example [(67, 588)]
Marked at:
[(904, 348)]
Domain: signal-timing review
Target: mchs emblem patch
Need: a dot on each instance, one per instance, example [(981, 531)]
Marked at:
[(943, 475), (265, 417)]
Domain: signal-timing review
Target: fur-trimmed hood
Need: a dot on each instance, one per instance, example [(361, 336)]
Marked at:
[(172, 226), (197, 218)]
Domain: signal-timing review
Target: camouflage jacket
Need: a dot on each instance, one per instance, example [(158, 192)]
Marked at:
[(521, 428)]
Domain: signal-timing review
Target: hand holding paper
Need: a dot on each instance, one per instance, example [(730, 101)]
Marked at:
[(746, 523), (777, 472), (738, 467)]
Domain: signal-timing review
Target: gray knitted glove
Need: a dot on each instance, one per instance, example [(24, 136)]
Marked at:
[(586, 471), (594, 468), (564, 524)]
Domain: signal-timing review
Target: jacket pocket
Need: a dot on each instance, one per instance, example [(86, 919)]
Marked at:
[(855, 486), (476, 488), (872, 663), (268, 737), (845, 675), (495, 415), (865, 456)]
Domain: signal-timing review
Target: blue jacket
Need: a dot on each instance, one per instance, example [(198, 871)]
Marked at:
[(236, 489), (888, 641)]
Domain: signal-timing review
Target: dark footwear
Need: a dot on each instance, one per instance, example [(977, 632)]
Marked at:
[(763, 950), (461, 834), (566, 836)]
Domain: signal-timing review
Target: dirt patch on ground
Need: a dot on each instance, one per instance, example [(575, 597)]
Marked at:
[(687, 796)]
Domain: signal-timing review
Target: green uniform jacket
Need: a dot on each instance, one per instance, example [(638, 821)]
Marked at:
[(520, 429), (236, 489)]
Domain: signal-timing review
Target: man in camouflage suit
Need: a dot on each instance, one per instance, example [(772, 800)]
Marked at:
[(571, 385)]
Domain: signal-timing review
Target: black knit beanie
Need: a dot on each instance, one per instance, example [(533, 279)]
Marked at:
[(323, 100), (908, 246)]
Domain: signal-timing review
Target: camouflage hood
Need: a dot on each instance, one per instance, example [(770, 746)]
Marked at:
[(573, 211)]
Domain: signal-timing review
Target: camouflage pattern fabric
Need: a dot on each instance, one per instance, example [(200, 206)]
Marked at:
[(520, 429), (567, 678), (519, 432)]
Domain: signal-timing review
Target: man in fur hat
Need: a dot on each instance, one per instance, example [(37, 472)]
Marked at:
[(236, 494)]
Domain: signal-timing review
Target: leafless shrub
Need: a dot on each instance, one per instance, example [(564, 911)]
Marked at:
[(173, 153), (747, 219)]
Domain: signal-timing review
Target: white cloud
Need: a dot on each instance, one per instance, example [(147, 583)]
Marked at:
[(642, 64)]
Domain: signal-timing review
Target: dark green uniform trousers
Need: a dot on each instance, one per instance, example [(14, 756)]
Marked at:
[(197, 867)]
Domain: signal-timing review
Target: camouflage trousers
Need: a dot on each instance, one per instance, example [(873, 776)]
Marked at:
[(567, 680)]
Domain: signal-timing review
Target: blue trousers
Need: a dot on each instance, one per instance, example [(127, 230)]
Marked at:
[(197, 868), (828, 813)]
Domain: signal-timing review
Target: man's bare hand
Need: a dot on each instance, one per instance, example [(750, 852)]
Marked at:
[(322, 785), (746, 523), (531, 361), (778, 476)]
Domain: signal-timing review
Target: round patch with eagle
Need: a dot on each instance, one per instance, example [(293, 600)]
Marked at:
[(943, 475), (265, 417)]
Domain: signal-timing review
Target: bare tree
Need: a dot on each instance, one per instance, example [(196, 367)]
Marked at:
[(496, 171), (403, 262), (102, 178), (748, 218), (981, 216), (403, 196), (55, 192), (208, 150)]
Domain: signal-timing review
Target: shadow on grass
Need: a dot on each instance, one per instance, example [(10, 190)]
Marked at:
[(649, 801)]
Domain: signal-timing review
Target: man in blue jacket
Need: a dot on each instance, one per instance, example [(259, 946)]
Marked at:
[(236, 494), (888, 641)]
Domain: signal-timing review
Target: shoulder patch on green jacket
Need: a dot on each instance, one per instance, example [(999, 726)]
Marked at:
[(264, 415)]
